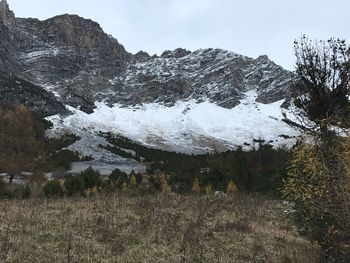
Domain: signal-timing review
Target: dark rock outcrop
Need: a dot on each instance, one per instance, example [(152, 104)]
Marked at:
[(17, 91), (7, 17)]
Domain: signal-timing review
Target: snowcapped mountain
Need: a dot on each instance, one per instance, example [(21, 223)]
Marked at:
[(209, 99)]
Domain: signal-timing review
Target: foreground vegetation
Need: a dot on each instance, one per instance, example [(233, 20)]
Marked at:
[(319, 173), (130, 227)]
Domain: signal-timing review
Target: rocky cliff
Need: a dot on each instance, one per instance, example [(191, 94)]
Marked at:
[(73, 58), (14, 90), (6, 15)]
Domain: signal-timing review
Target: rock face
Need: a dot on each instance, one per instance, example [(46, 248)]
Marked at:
[(218, 75), (7, 17), (73, 58), (17, 91)]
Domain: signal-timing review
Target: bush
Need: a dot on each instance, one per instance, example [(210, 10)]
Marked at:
[(123, 180), (91, 177), (53, 188), (4, 191), (138, 178), (133, 182), (22, 192), (231, 187), (164, 184), (146, 190), (319, 184), (196, 188), (208, 189), (64, 158), (151, 180), (74, 185), (27, 192), (118, 178)]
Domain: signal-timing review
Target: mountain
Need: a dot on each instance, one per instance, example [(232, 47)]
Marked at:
[(74, 58), (161, 101)]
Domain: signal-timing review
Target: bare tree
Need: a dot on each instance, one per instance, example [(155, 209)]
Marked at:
[(321, 84), (20, 139), (319, 178)]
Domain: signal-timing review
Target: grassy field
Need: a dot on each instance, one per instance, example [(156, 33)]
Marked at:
[(127, 227)]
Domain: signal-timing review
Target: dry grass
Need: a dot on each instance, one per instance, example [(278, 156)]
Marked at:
[(161, 228)]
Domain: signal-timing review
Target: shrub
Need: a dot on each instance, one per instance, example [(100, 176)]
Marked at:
[(164, 184), (151, 180), (118, 178), (138, 178), (319, 184), (157, 184), (64, 158), (196, 187), (113, 177), (123, 180), (208, 189), (91, 177), (74, 185), (53, 188), (231, 187), (146, 190), (4, 191), (92, 191), (133, 182), (22, 192)]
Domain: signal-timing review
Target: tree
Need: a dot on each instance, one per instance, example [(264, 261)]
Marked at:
[(318, 178), (321, 192), (132, 182), (20, 139), (321, 83), (74, 185), (91, 178), (138, 178)]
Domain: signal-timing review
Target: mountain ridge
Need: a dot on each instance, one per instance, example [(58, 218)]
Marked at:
[(206, 100), (72, 57)]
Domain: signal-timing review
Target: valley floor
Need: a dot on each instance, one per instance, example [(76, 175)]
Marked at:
[(129, 227)]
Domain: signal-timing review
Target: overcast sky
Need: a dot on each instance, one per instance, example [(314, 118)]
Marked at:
[(249, 27)]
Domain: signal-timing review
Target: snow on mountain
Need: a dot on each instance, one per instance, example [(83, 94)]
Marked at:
[(217, 75), (187, 126), (192, 102)]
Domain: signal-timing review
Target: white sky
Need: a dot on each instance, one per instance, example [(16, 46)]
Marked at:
[(249, 27)]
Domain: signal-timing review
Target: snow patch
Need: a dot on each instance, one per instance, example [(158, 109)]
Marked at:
[(34, 55), (187, 126)]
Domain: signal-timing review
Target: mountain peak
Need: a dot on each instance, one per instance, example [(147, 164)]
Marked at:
[(7, 17)]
